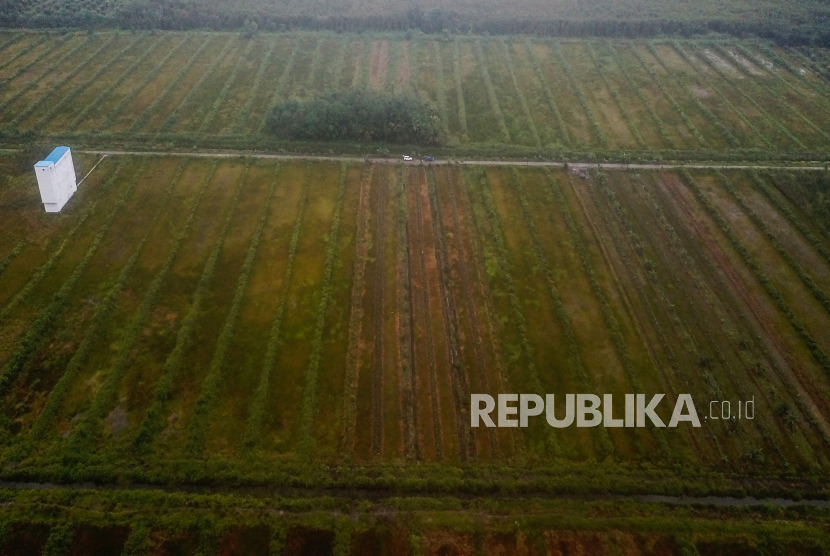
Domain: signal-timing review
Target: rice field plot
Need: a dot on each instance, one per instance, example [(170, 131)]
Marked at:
[(264, 313), (580, 95)]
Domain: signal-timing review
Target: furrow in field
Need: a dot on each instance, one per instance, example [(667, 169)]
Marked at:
[(356, 348), (197, 428), (150, 110), (378, 318), (245, 113), (425, 350), (458, 370), (654, 325), (47, 95), (764, 113), (405, 326), (194, 89), (710, 84), (69, 97), (472, 331), (49, 317), (152, 422), (256, 412), (279, 87), (115, 112)]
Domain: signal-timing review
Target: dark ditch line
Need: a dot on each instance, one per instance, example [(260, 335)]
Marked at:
[(379, 495)]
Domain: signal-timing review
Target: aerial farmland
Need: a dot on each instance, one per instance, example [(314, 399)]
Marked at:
[(239, 338)]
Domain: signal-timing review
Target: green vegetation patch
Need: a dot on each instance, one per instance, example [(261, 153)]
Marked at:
[(360, 115)]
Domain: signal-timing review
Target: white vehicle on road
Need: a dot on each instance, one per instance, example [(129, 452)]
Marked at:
[(407, 158)]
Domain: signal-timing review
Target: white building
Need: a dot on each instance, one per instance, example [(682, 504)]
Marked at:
[(56, 179)]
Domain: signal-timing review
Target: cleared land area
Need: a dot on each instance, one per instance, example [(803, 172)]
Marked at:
[(279, 324), (522, 96), (264, 354)]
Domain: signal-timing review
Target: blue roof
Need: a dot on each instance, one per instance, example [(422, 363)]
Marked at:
[(43, 164), (56, 155)]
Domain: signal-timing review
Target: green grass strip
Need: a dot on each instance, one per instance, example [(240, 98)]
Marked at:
[(708, 114), (257, 411), (20, 91), (815, 349), (223, 94), (245, 114), (687, 121), (390, 84), (785, 254), (60, 539), (309, 401), (129, 97), (105, 396), (414, 74), (441, 88), (339, 63), (49, 317), (4, 264), (279, 88), (549, 96), (647, 104), (196, 437), (459, 89), (71, 95), (365, 65), (206, 76), (128, 72), (138, 543), (575, 363), (709, 83), (153, 421), (599, 135), (77, 68), (522, 101), (151, 108), (481, 61), (314, 67), (615, 96)]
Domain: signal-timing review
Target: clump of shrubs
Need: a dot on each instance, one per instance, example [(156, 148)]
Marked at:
[(358, 115)]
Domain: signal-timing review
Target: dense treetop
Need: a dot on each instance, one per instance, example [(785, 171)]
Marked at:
[(359, 115), (796, 21)]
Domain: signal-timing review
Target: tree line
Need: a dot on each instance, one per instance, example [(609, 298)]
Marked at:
[(801, 25)]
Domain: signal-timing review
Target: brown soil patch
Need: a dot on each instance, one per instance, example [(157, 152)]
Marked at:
[(444, 543), (566, 543), (25, 540), (250, 541), (302, 542), (99, 541)]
